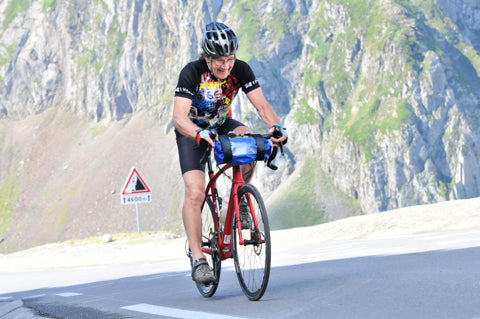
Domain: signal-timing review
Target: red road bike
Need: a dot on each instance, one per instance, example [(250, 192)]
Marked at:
[(250, 248)]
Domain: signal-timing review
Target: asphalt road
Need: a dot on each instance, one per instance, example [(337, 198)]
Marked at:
[(425, 276)]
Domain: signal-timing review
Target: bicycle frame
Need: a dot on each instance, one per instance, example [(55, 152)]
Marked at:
[(225, 237), (249, 247)]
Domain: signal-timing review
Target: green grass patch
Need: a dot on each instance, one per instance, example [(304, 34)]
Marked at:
[(83, 60), (298, 207), (374, 116), (5, 59), (97, 130), (472, 55), (248, 29), (49, 6), (391, 122), (12, 10), (254, 30), (306, 114), (333, 61)]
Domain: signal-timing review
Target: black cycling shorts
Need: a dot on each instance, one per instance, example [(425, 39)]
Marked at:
[(190, 153)]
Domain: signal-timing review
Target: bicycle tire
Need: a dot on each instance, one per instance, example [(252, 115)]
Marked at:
[(210, 240), (252, 260)]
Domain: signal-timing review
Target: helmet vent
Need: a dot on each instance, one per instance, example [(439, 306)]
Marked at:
[(219, 40)]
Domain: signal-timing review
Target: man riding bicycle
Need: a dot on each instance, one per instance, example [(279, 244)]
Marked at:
[(203, 97)]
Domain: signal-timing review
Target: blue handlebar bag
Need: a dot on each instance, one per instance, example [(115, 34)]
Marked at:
[(241, 150)]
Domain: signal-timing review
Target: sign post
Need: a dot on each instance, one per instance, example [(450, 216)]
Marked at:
[(135, 191), (138, 218)]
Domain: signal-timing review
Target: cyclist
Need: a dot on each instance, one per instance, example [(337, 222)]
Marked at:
[(203, 97)]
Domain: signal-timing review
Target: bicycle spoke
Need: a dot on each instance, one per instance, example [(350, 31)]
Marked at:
[(252, 259)]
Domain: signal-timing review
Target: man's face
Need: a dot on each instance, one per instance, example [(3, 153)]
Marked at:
[(221, 66)]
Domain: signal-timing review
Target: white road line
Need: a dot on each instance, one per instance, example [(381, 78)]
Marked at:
[(69, 294), (176, 313)]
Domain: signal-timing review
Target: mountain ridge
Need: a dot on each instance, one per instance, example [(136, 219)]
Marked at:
[(379, 95)]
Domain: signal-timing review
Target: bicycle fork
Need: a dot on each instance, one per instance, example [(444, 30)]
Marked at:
[(238, 182)]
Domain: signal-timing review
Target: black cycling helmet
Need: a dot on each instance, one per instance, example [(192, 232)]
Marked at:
[(219, 40)]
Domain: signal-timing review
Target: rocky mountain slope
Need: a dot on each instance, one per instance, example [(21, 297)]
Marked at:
[(380, 98)]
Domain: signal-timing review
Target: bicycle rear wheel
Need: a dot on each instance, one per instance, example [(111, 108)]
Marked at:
[(210, 248), (252, 259)]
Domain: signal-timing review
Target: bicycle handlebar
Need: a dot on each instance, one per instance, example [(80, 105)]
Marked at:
[(276, 134)]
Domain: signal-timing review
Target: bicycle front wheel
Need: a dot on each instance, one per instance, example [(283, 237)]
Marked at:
[(252, 259)]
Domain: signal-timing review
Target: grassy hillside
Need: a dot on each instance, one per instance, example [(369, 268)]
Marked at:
[(65, 175)]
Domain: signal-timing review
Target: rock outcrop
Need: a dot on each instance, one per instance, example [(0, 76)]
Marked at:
[(380, 95)]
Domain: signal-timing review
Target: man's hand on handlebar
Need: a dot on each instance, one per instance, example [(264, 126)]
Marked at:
[(279, 135), (206, 137)]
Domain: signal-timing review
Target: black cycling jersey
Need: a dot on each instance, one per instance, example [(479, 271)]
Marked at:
[(211, 97)]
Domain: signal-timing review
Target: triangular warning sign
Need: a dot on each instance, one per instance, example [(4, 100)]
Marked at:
[(134, 184)]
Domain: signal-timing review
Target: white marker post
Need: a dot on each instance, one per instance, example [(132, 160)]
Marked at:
[(135, 191)]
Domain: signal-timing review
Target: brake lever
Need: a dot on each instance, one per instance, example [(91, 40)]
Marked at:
[(271, 158), (205, 155)]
